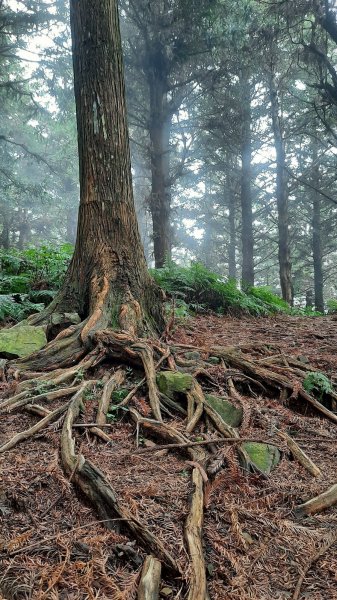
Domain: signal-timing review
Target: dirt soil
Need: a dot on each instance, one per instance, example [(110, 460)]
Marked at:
[(53, 545)]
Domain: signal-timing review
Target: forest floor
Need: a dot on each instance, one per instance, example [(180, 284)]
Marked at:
[(54, 546)]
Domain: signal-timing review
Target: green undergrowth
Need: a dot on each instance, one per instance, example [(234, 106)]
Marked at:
[(197, 289), (30, 278), (318, 383)]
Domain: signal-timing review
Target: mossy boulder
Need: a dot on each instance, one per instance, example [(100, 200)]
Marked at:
[(21, 341), (264, 456), (170, 383), (227, 411)]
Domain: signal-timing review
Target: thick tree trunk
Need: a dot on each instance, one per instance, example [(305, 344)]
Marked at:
[(247, 236), (281, 197), (108, 267), (316, 233), (160, 129)]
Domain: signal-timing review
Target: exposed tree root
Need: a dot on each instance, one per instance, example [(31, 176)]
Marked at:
[(99, 492), (193, 533), (319, 503), (66, 361), (25, 435), (301, 456), (150, 579), (103, 406)]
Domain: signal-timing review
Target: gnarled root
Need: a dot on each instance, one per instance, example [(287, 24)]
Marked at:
[(99, 492), (150, 579), (319, 503), (193, 534)]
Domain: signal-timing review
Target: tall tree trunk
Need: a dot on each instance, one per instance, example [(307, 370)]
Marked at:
[(281, 196), (107, 276), (159, 130), (23, 229), (71, 222), (316, 233), (4, 239), (231, 203), (247, 236)]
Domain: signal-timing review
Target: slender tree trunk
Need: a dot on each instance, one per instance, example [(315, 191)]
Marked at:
[(316, 233), (281, 197), (231, 203), (108, 274), (247, 236), (71, 225), (4, 240), (24, 230), (160, 129)]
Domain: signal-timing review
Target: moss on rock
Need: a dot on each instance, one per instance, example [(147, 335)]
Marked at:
[(264, 456), (170, 383), (21, 340), (227, 411)]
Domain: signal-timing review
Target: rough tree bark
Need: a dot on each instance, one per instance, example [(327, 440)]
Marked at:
[(108, 275), (247, 236), (281, 195)]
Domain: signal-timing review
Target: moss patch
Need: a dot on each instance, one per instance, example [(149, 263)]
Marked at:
[(170, 383), (21, 341), (227, 411), (264, 456)]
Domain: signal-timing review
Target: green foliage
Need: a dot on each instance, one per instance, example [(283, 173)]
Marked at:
[(33, 269), (17, 307), (195, 288), (318, 383), (305, 312), (332, 306), (119, 395), (114, 412), (29, 279)]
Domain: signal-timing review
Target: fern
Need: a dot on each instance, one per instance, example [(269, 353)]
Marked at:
[(196, 288), (17, 307), (317, 382)]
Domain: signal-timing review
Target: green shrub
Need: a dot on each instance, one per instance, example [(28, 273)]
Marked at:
[(30, 278), (195, 288), (332, 306), (17, 307), (33, 269)]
